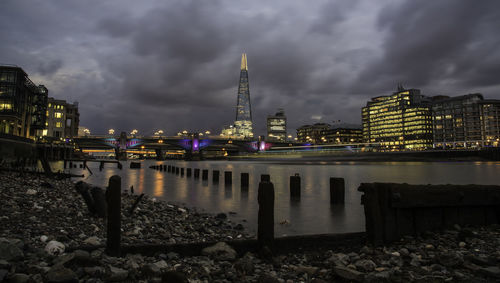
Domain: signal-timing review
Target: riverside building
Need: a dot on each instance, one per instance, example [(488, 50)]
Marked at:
[(342, 136), (63, 119), (22, 103), (312, 133), (401, 121), (467, 121), (276, 126)]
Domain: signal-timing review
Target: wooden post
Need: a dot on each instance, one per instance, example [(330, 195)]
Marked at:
[(228, 178), (182, 171), (83, 189), (99, 198), (169, 168), (295, 186), (204, 174), (173, 170), (161, 167), (113, 195), (265, 178), (265, 227), (244, 180), (188, 172), (177, 171), (337, 190), (215, 176), (196, 173)]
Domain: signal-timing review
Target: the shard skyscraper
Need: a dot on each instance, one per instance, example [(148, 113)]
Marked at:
[(243, 122)]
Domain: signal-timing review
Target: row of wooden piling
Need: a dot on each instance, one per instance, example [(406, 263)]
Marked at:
[(337, 185)]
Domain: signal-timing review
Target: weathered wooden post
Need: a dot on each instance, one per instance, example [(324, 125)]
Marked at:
[(204, 174), (177, 171), (182, 171), (196, 173), (113, 195), (161, 167), (228, 178), (244, 180), (100, 204), (337, 190), (265, 178), (215, 176), (265, 226), (295, 186), (173, 170), (188, 172)]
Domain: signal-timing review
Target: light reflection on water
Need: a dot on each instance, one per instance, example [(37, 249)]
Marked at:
[(312, 214)]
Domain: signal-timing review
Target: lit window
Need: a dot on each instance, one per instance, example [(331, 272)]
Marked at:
[(58, 124), (5, 106), (58, 115)]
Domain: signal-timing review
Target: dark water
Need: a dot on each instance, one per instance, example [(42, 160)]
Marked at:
[(313, 214)]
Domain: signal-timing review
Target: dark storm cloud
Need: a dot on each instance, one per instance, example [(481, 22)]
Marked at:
[(174, 65), (431, 42)]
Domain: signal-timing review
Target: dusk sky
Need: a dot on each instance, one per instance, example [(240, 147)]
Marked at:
[(174, 65)]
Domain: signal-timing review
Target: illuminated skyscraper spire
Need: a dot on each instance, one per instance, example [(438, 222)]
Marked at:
[(243, 123)]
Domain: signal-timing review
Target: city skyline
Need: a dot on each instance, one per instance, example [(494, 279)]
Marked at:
[(170, 66)]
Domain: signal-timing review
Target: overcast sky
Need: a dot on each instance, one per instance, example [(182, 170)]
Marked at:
[(174, 65)]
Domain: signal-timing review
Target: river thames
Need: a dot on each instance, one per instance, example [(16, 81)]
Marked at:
[(312, 214)]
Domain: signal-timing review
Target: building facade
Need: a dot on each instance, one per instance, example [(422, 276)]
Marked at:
[(22, 103), (243, 123), (276, 126), (312, 133), (467, 121), (401, 121), (489, 111), (342, 136), (63, 119)]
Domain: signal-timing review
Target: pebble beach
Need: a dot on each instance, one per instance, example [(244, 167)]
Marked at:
[(48, 235)]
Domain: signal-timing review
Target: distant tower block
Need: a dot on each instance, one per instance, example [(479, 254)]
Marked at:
[(243, 122)]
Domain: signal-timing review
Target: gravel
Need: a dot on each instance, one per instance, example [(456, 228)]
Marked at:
[(45, 222)]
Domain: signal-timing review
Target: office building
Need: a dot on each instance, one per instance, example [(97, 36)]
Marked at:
[(243, 122), (63, 119), (342, 136), (312, 133), (22, 103), (276, 126), (401, 121), (489, 111), (467, 121)]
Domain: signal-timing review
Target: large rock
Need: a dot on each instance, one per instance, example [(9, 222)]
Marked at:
[(349, 274), (339, 259), (451, 259), (9, 251), (492, 271), (59, 273), (19, 278), (93, 241), (365, 265), (117, 274), (220, 251)]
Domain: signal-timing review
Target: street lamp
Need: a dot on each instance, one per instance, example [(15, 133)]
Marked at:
[(111, 132)]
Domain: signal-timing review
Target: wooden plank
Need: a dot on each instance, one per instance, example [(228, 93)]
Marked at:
[(428, 219), (406, 196), (450, 217), (405, 222)]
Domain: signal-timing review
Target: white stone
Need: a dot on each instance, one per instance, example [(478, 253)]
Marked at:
[(54, 248), (44, 238)]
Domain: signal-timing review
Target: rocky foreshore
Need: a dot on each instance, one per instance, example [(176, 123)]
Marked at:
[(47, 235)]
